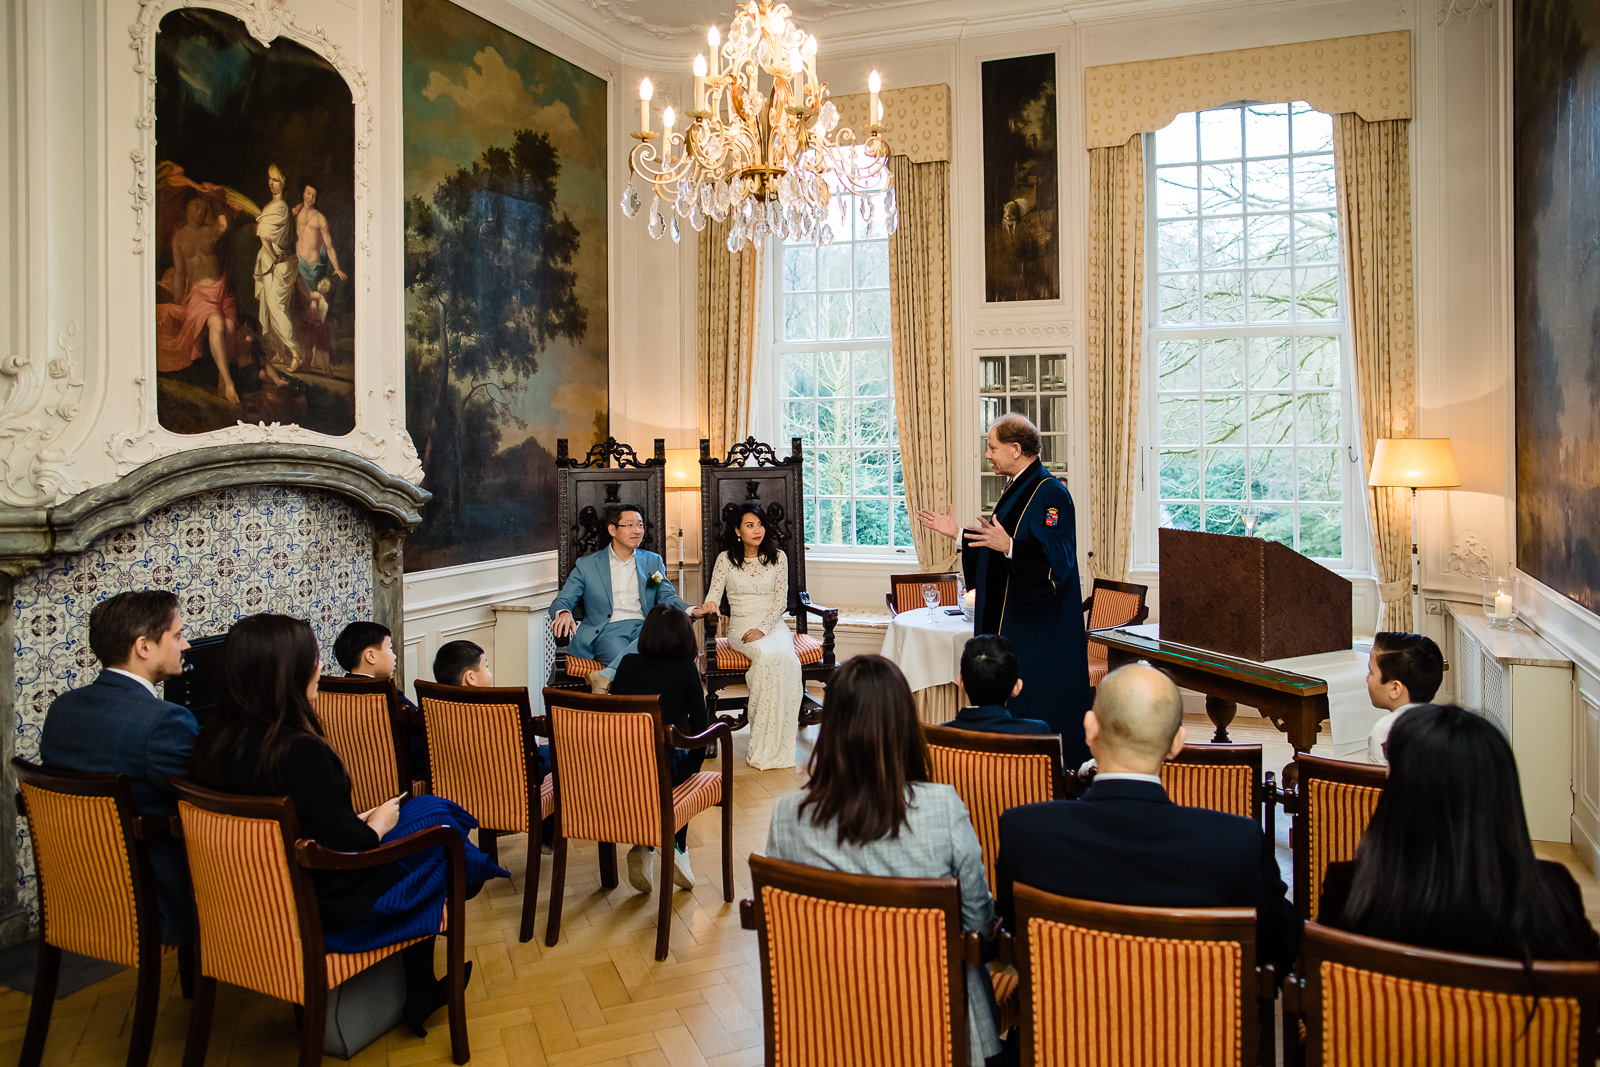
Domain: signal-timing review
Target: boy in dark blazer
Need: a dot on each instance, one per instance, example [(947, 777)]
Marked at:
[(118, 724), (989, 675), (1125, 842)]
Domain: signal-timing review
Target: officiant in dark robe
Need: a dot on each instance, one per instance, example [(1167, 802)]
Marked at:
[(1023, 563)]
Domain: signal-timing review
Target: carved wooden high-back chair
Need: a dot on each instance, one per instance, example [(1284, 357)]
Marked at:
[(753, 473), (611, 473)]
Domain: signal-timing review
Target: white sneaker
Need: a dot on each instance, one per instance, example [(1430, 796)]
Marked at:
[(682, 873), (641, 867)]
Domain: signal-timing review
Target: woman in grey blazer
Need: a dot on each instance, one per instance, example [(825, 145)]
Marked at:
[(869, 808)]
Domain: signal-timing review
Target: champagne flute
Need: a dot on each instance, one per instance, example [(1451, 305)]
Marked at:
[(930, 596)]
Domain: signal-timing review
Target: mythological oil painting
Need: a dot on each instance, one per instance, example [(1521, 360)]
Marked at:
[(1556, 169), (255, 246), (1022, 254), (505, 279)]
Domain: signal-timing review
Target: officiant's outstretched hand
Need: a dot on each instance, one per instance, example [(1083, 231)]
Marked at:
[(941, 524)]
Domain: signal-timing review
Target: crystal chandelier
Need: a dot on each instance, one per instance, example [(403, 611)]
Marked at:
[(763, 146)]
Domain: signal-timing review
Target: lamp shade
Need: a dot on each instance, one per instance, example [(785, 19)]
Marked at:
[(1414, 463), (683, 468)]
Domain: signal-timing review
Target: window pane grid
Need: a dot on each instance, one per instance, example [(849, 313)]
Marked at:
[(836, 382), (1247, 327)]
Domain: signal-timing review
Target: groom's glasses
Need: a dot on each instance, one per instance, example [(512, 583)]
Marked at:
[(630, 525)]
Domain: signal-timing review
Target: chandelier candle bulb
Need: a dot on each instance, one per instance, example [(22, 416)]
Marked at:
[(699, 85), (714, 39), (874, 83), (668, 118), (646, 91)]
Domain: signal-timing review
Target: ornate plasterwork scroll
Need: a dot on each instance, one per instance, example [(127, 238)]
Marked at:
[(1369, 75), (1024, 331), (42, 400)]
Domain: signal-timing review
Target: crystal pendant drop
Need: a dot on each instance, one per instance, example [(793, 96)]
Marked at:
[(658, 225), (891, 203), (672, 228), (825, 235), (891, 221), (866, 211), (735, 238), (697, 217), (707, 194), (827, 118), (630, 202), (724, 198)]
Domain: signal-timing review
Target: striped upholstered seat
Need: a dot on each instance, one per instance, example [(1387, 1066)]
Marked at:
[(1370, 1003), (1111, 604), (808, 648), (96, 891), (613, 786), (858, 970), (1334, 800), (1223, 778), (578, 667), (905, 590), (993, 772), (256, 910), (482, 753), (361, 718), (1138, 987)]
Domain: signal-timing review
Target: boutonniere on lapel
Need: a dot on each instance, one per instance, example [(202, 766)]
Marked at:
[(1052, 517), (654, 579)]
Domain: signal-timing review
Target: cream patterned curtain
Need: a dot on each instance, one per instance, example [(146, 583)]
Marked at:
[(922, 346), (1115, 337), (730, 328), (1373, 168)]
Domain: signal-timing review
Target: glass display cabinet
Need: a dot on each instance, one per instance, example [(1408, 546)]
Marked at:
[(1034, 385)]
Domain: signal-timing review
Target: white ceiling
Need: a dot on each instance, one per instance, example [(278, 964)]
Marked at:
[(665, 19)]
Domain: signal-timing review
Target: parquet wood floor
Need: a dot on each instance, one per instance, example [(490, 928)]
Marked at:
[(598, 997)]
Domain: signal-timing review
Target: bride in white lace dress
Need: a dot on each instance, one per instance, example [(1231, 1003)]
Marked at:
[(754, 573)]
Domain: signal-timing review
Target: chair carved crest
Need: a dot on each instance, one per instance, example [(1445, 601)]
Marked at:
[(610, 473)]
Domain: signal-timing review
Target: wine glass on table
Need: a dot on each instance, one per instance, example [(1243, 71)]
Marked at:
[(930, 596)]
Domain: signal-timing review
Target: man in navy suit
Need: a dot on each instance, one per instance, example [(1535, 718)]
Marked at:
[(1125, 842), (118, 724), (989, 675), (617, 587)]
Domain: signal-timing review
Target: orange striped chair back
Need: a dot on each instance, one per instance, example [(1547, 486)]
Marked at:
[(85, 870), (906, 589), (1136, 987), (1371, 1003), (1221, 777), (476, 754), (608, 776), (1111, 604), (245, 905), (359, 722), (859, 970), (994, 772), (1335, 802)]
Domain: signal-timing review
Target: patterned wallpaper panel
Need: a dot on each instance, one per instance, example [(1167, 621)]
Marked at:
[(226, 553)]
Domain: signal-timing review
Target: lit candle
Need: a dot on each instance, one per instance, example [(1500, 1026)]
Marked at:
[(699, 83), (668, 117), (714, 39), (1502, 605), (874, 83), (646, 91), (972, 597)]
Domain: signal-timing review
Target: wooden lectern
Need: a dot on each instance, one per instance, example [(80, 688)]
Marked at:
[(1247, 597)]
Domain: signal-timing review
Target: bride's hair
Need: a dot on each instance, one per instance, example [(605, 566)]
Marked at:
[(767, 551)]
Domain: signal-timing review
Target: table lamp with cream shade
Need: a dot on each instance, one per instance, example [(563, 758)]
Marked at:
[(1413, 463), (683, 472)]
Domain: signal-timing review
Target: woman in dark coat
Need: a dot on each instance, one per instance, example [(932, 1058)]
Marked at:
[(265, 740)]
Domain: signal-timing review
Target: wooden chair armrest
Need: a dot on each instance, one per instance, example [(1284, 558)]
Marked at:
[(541, 726), (829, 616), (717, 731), (1139, 616), (152, 828), (1007, 949), (981, 946), (318, 858), (1293, 990), (1088, 602), (747, 914), (888, 600), (1266, 981)]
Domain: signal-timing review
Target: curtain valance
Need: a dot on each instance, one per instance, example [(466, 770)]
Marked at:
[(916, 120)]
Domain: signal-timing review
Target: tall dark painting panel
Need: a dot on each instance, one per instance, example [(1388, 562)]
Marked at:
[(505, 276), (1022, 254), (1557, 257), (255, 218)]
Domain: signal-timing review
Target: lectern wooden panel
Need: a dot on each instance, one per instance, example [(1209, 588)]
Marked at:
[(1251, 598)]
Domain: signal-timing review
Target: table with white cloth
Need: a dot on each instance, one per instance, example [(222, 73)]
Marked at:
[(926, 645)]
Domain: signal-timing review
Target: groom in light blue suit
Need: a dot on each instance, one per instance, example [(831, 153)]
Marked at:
[(617, 586)]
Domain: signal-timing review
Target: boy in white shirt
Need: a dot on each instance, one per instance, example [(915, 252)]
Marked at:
[(1402, 670)]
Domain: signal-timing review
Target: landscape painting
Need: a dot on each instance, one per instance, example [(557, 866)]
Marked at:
[(254, 230), (1022, 254), (505, 276), (1556, 168)]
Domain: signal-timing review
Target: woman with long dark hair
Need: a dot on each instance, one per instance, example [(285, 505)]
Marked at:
[(869, 808), (1446, 862), (264, 739), (754, 573), (665, 667)]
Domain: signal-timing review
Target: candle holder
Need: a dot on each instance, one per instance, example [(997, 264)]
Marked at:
[(1500, 602)]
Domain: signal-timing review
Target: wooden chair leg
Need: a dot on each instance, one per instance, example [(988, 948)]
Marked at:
[(558, 885), (530, 874), (44, 1002), (314, 1025), (205, 1000), (664, 871), (186, 971), (456, 965), (608, 865), (489, 844), (727, 849), (148, 996)]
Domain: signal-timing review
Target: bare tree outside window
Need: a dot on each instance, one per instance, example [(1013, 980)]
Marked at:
[(1247, 327)]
